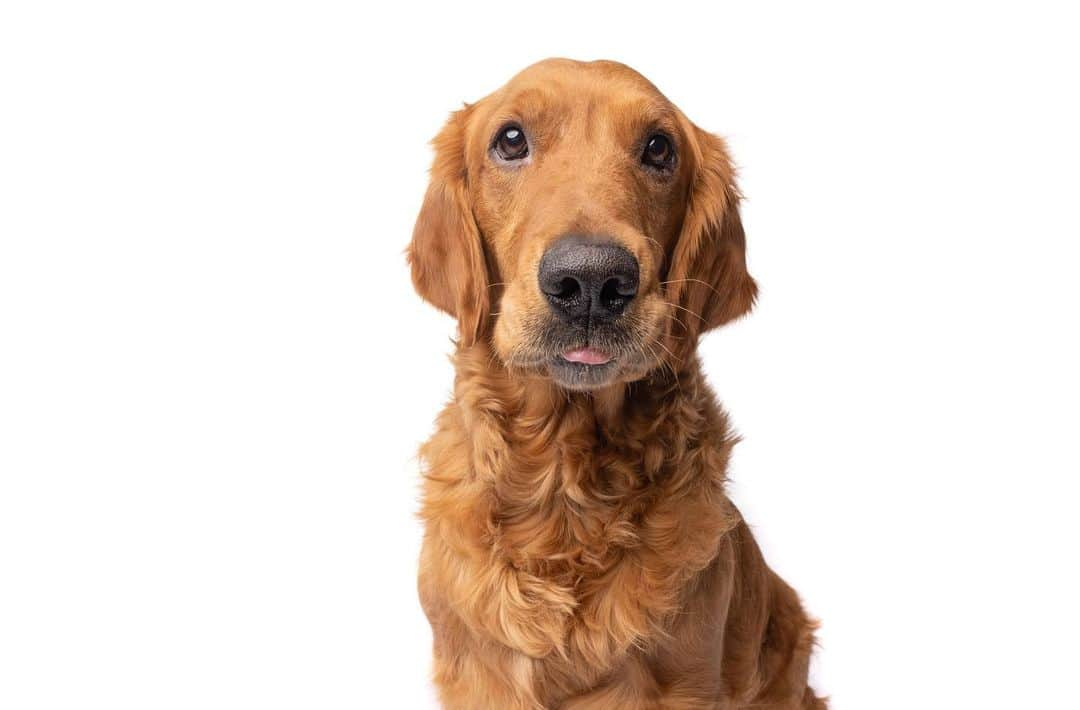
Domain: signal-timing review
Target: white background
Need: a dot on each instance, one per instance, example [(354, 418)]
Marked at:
[(214, 373)]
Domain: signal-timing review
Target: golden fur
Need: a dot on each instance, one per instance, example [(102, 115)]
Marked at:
[(580, 551)]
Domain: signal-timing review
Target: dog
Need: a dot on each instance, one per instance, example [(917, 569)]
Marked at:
[(579, 548)]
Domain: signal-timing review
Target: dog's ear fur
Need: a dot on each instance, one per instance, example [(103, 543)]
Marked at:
[(446, 254), (707, 276)]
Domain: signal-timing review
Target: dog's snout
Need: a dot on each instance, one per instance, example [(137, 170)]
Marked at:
[(587, 278)]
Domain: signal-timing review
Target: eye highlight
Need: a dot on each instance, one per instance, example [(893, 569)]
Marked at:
[(510, 143), (659, 152)]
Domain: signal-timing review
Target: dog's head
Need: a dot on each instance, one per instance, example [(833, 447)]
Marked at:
[(580, 223)]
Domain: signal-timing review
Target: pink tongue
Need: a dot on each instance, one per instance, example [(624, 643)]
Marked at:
[(586, 356)]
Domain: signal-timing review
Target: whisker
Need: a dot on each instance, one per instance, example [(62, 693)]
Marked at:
[(684, 308), (671, 366), (676, 318), (664, 364), (664, 348), (658, 244), (697, 281)]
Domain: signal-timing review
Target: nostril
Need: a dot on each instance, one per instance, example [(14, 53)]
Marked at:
[(560, 286), (567, 288), (617, 292)]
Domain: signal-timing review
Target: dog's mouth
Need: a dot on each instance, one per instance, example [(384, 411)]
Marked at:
[(584, 368), (587, 356), (584, 359)]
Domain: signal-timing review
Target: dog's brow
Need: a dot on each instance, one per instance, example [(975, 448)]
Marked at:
[(531, 101)]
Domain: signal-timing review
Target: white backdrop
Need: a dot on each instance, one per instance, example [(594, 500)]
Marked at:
[(214, 373)]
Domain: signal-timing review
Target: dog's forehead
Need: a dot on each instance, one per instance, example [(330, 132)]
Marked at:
[(555, 81), (572, 72), (555, 90)]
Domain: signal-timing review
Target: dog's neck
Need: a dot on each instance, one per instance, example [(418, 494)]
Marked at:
[(554, 479), (517, 421)]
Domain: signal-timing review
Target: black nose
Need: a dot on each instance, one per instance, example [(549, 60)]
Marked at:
[(586, 278)]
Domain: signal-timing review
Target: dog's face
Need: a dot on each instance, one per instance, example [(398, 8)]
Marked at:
[(583, 225)]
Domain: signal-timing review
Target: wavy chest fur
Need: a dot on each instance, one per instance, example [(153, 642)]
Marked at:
[(568, 528)]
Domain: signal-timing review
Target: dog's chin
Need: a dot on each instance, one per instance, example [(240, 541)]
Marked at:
[(580, 359), (583, 376)]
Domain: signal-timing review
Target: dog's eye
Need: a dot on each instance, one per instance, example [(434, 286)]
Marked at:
[(511, 144), (659, 153)]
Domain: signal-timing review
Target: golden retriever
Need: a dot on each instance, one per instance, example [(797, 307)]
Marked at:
[(580, 550)]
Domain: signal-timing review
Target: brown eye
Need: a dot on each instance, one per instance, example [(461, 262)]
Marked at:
[(659, 152), (511, 144)]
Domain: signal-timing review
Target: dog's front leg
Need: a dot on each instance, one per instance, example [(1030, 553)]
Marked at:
[(477, 674), (634, 687), (512, 607)]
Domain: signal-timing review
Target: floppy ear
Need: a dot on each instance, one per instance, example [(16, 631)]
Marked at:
[(707, 276), (446, 254)]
